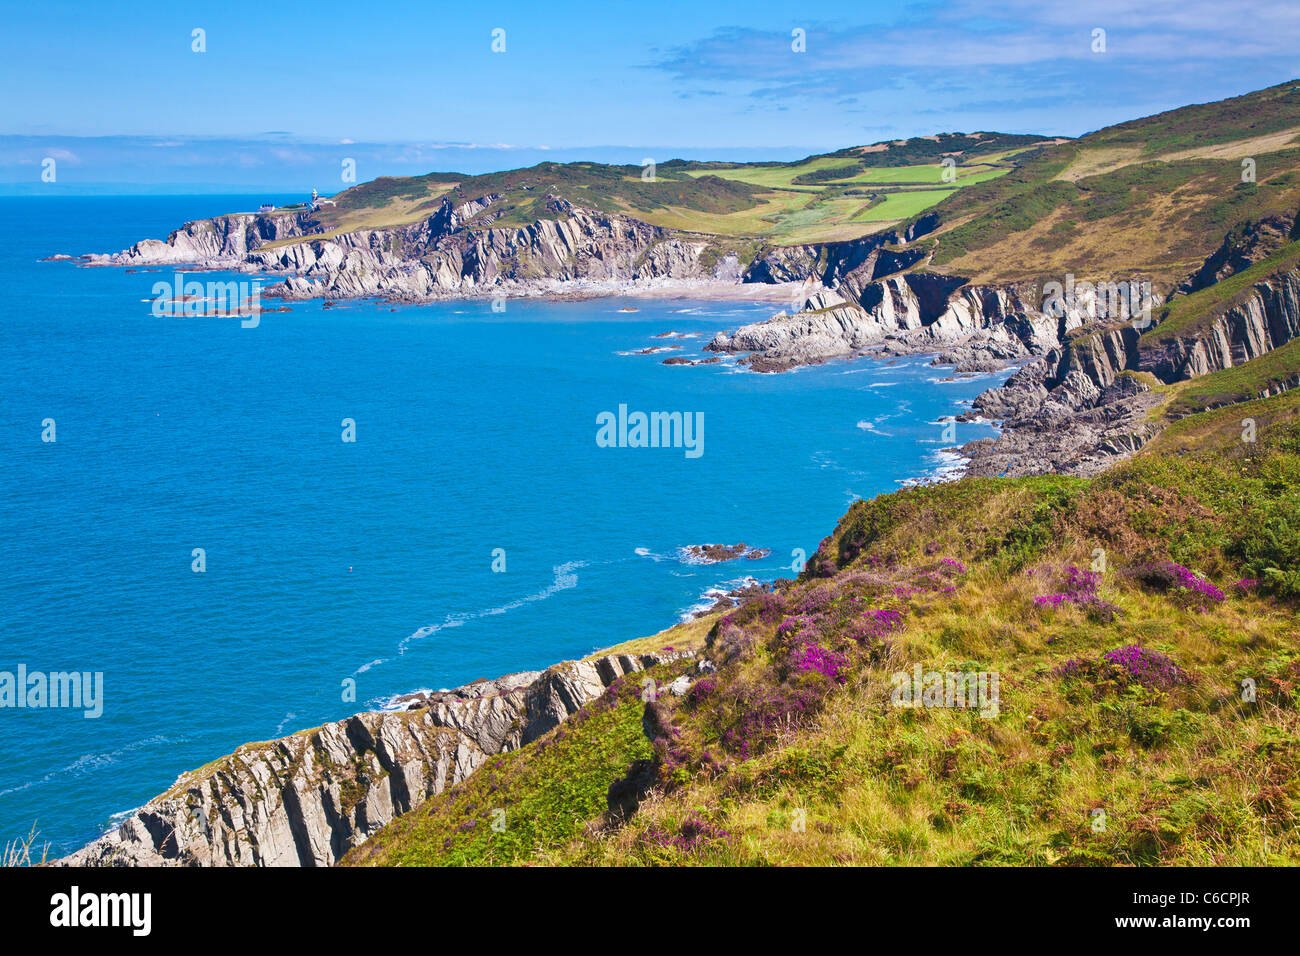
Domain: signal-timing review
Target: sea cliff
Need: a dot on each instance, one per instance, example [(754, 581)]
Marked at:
[(306, 799)]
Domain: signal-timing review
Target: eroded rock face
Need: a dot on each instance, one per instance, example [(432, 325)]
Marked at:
[(1080, 409), (224, 242), (1262, 318), (457, 251), (308, 798), (1244, 247), (461, 250), (303, 800), (909, 312), (1076, 429)]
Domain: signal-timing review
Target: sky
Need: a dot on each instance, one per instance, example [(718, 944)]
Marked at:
[(119, 95)]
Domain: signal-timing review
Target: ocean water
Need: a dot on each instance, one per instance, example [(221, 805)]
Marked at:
[(372, 560)]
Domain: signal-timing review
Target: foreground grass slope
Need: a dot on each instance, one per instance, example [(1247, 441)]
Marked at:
[(1142, 626)]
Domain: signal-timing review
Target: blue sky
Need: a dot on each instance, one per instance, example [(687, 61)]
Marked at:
[(286, 90)]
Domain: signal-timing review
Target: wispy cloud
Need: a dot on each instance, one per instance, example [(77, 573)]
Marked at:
[(965, 55)]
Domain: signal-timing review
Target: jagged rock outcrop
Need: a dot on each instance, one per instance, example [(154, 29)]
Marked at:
[(1075, 428), (830, 263), (458, 250), (1082, 407), (308, 798), (912, 311), (223, 242), (1243, 247), (1260, 319)]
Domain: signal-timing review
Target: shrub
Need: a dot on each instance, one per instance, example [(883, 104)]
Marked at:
[(1080, 587), (1132, 664), (1147, 667), (766, 608), (814, 657), (699, 691), (1185, 586), (870, 627), (692, 835), (755, 715)]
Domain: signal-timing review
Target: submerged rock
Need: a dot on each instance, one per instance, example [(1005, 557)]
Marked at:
[(716, 553)]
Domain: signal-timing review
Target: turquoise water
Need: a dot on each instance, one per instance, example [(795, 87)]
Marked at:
[(370, 560)]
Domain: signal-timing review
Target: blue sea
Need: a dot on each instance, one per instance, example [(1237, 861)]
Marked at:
[(371, 560)]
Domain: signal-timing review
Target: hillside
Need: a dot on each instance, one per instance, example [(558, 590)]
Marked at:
[(1152, 195), (821, 198)]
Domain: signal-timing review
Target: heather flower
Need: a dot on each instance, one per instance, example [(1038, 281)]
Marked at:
[(793, 627), (873, 624), (701, 689), (1075, 667), (762, 713), (814, 657), (1186, 586), (1078, 581), (814, 602), (1147, 667), (953, 565), (766, 608), (932, 581), (1080, 587), (1246, 585), (1130, 664), (693, 834)]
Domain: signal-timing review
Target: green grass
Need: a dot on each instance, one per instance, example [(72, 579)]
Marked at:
[(1242, 383), (815, 199), (527, 801), (771, 176), (1240, 117), (1160, 219), (902, 205)]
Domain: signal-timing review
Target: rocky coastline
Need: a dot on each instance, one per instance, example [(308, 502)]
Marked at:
[(717, 553), (1077, 402), (308, 798)]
